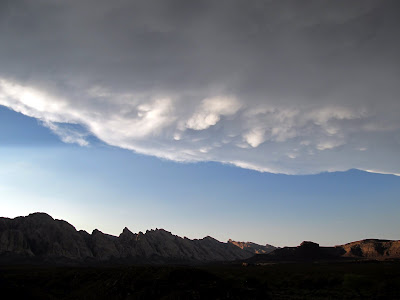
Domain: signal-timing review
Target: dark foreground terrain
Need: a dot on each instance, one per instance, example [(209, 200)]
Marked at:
[(339, 280), (44, 258)]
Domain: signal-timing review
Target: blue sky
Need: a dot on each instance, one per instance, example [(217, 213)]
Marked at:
[(108, 188)]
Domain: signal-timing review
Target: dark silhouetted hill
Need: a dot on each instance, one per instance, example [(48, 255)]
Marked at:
[(39, 237), (308, 251)]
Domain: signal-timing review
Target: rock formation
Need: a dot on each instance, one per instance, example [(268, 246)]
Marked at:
[(373, 249), (308, 251), (39, 236), (252, 247)]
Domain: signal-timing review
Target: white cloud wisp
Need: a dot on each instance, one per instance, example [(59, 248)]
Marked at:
[(278, 140)]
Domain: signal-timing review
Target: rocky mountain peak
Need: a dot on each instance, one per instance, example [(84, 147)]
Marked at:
[(209, 238), (126, 231), (96, 231), (40, 216)]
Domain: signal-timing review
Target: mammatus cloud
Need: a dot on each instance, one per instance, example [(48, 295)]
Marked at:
[(210, 111), (270, 86)]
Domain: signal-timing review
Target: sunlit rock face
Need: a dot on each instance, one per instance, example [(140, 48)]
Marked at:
[(257, 249), (40, 236), (373, 248)]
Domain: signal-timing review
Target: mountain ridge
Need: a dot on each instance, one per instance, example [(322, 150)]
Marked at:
[(368, 249), (39, 236)]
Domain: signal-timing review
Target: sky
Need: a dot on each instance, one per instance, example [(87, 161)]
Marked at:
[(266, 121)]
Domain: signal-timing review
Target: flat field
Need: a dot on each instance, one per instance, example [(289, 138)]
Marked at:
[(344, 280)]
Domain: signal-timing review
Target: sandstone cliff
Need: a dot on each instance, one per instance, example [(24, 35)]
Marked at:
[(252, 247), (373, 249)]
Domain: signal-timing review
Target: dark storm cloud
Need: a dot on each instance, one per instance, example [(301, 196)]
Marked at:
[(280, 86)]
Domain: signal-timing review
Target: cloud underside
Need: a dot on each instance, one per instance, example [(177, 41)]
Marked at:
[(268, 85)]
